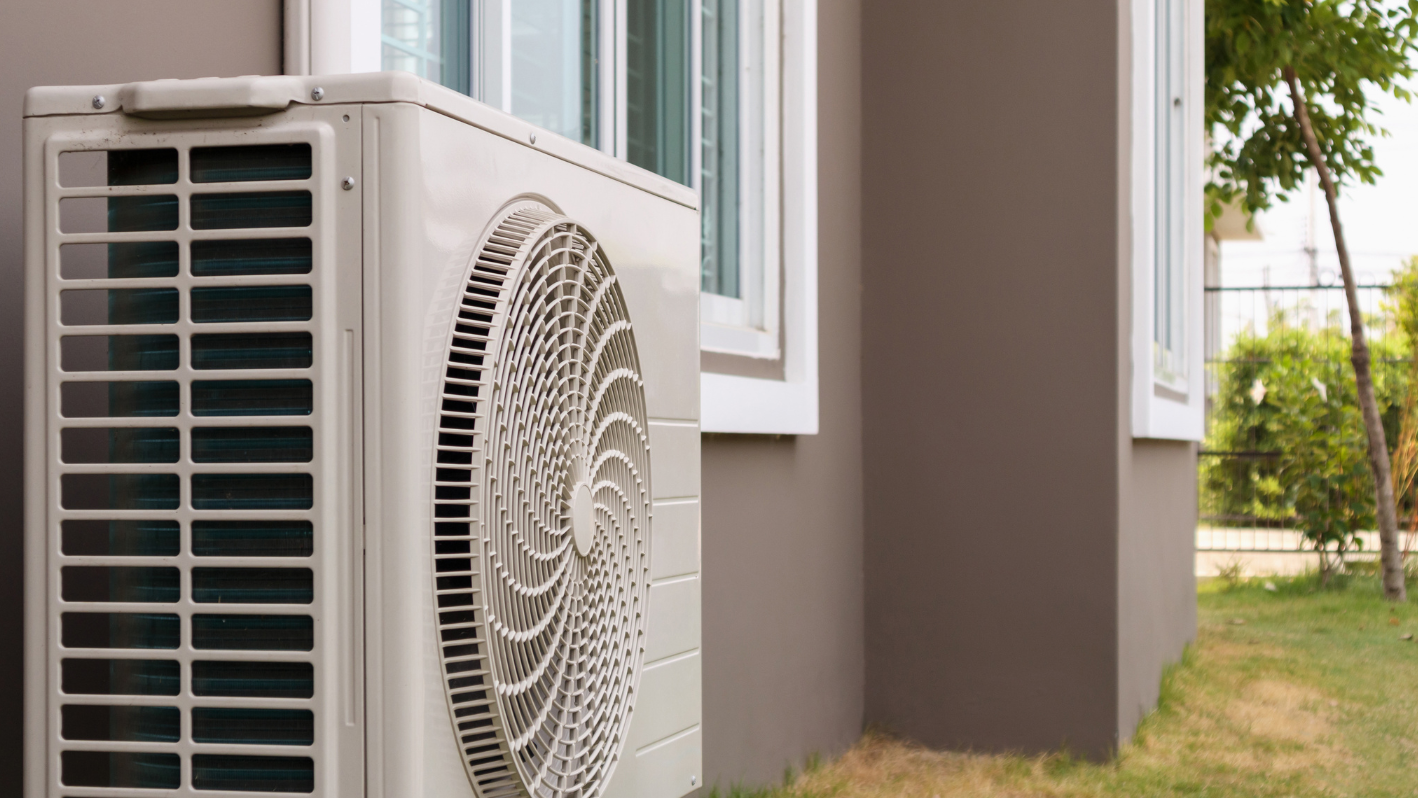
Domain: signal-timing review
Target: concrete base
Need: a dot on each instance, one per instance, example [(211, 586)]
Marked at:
[(1265, 552)]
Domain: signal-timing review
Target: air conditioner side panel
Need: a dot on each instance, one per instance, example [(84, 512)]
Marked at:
[(462, 176), (411, 748)]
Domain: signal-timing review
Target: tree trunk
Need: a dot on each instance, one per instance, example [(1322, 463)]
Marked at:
[(1379, 462)]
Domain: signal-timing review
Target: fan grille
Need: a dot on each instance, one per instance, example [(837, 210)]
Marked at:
[(542, 513)]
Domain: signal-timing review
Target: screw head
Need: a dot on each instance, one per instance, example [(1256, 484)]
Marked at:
[(532, 137), (317, 94), (693, 780), (99, 101), (347, 184)]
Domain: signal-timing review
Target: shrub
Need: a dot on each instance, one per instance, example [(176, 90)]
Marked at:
[(1287, 415)]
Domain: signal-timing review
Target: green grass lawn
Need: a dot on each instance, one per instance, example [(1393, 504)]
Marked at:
[(1291, 692)]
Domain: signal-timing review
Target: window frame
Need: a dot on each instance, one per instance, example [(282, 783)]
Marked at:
[(739, 395), (1165, 406), (750, 325)]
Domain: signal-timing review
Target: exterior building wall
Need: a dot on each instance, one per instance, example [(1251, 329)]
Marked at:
[(782, 518), (56, 42), (1156, 570), (972, 551), (990, 339), (1157, 509)]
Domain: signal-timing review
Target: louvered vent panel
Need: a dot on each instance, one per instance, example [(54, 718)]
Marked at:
[(184, 407), (542, 513)]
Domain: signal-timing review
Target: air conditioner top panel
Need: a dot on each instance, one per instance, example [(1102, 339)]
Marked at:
[(256, 95)]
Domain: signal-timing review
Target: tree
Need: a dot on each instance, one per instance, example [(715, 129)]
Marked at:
[(1323, 56)]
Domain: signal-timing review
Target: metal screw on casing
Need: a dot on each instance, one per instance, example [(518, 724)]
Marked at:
[(532, 137), (347, 183), (693, 780), (317, 94), (98, 101)]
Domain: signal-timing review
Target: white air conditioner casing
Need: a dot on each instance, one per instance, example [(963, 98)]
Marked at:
[(262, 475)]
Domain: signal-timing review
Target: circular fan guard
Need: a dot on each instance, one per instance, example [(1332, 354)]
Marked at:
[(542, 513)]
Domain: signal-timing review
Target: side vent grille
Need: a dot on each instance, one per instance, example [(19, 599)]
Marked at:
[(541, 513), (184, 401), (462, 631)]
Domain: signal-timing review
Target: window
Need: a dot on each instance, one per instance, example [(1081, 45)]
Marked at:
[(428, 38), (739, 178), (716, 94), (1166, 219), (539, 60), (612, 75), (657, 87), (1169, 270)]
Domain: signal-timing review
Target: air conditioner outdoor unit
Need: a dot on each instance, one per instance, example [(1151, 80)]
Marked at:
[(362, 453)]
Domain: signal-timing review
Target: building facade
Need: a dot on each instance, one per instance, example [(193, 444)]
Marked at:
[(951, 345)]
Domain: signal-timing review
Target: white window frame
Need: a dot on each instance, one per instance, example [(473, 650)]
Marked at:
[(788, 274), (342, 36), (750, 325), (332, 37), (1165, 406)]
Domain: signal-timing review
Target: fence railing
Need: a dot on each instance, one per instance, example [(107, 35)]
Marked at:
[(1230, 311)]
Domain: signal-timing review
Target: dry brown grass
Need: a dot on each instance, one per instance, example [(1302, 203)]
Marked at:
[(1313, 696)]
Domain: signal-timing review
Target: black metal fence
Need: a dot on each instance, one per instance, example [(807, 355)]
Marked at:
[(1224, 522)]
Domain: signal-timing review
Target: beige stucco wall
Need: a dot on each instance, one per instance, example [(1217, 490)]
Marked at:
[(55, 42)]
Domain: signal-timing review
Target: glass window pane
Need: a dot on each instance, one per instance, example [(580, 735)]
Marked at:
[(657, 86), (1169, 276), (411, 40), (719, 170), (553, 66), (430, 38)]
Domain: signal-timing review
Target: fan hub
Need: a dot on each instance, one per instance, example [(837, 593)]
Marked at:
[(583, 520)]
